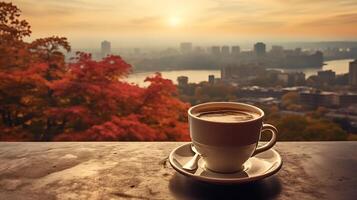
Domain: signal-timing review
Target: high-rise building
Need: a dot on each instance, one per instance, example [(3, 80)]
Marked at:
[(225, 50), (186, 47), (327, 76), (260, 49), (235, 50), (105, 48), (216, 50), (182, 80), (352, 73), (211, 79)]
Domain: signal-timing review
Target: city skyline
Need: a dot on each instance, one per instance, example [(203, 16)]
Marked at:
[(124, 23)]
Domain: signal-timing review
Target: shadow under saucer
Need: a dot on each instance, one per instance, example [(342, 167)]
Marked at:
[(255, 168), (183, 187)]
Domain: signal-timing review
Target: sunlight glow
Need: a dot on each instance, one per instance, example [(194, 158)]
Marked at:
[(174, 21)]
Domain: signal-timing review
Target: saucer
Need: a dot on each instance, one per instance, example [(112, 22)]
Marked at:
[(258, 167)]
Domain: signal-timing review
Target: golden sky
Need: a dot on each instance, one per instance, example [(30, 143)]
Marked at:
[(213, 21)]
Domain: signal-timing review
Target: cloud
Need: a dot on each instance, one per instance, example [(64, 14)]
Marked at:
[(313, 7), (256, 22), (337, 20), (235, 7), (63, 7), (145, 20), (309, 2), (281, 18)]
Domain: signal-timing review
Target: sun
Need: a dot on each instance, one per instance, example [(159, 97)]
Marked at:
[(174, 21)]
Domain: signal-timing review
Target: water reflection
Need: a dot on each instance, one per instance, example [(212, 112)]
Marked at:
[(196, 76), (338, 66)]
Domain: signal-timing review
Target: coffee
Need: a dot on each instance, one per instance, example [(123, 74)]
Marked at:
[(227, 115), (226, 134)]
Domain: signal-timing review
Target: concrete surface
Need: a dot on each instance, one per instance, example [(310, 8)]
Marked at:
[(139, 170)]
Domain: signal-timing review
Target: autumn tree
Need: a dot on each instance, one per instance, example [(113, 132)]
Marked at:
[(95, 104), (205, 92), (305, 128), (14, 59), (290, 101), (44, 98), (26, 70)]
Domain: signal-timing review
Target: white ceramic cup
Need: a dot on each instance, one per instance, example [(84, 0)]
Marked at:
[(225, 146)]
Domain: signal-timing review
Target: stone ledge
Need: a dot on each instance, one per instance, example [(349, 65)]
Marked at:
[(139, 170)]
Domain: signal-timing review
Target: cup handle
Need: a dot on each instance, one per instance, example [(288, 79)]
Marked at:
[(271, 143)]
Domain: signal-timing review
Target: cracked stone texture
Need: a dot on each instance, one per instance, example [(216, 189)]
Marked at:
[(139, 170)]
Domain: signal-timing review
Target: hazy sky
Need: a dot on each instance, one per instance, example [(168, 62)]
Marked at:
[(150, 22)]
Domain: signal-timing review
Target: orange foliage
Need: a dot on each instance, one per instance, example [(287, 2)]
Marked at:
[(43, 98)]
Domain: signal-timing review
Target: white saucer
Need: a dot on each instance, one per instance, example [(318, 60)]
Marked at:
[(255, 168)]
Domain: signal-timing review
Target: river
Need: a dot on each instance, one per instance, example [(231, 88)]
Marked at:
[(338, 66), (196, 76)]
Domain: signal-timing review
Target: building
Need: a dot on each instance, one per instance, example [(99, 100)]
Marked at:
[(182, 80), (186, 47), (298, 51), (353, 52), (283, 77), (352, 73), (318, 98), (296, 79), (328, 99), (242, 72), (216, 50), (168, 52), (295, 60), (105, 48), (259, 92), (235, 50), (341, 79), (199, 50), (260, 49), (225, 50), (317, 59), (292, 79), (277, 50), (347, 99), (211, 79), (326, 77)]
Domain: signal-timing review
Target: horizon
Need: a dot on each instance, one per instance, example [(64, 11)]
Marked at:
[(209, 22), (245, 46)]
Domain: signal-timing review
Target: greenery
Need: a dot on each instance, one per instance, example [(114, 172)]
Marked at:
[(305, 128), (194, 93)]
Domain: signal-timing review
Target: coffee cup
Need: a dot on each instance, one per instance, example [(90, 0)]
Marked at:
[(226, 134)]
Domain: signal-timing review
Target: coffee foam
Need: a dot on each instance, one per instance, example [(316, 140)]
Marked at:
[(226, 115)]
